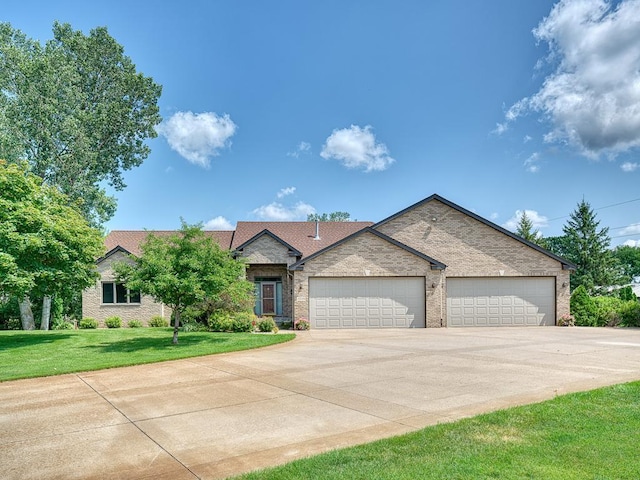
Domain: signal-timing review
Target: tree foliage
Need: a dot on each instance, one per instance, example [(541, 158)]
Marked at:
[(329, 217), (526, 230), (77, 111), (588, 247), (557, 245), (183, 270), (46, 245), (628, 261)]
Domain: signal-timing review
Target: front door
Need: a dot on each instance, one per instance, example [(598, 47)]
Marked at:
[(268, 298)]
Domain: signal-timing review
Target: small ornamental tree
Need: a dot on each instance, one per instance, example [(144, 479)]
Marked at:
[(182, 270)]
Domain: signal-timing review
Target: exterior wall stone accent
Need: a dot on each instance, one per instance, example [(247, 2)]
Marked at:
[(471, 248), (265, 250), (368, 255), (92, 306), (258, 271)]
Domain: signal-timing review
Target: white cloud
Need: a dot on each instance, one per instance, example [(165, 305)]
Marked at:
[(279, 213), (629, 166), (592, 98), (218, 223), (632, 229), (527, 139), (632, 243), (531, 163), (356, 147), (303, 147), (538, 221), (494, 216), (198, 136), (286, 191)]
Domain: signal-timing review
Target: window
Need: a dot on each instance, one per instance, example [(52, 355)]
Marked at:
[(113, 292)]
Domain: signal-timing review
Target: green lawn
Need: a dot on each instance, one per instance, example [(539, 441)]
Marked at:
[(590, 435), (25, 354)]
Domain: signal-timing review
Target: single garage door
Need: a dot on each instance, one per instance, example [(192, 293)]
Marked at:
[(367, 302), (477, 302)]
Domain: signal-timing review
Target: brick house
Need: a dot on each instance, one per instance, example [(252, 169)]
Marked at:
[(432, 264)]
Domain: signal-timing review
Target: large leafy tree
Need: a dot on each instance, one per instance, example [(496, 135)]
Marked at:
[(46, 245), (182, 270), (77, 111), (329, 217), (628, 261), (588, 247)]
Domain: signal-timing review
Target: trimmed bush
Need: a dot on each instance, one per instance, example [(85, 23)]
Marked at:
[(158, 321), (267, 324), (134, 324), (193, 327), (583, 308), (220, 322), (244, 322), (608, 311), (113, 322), (62, 325), (86, 323)]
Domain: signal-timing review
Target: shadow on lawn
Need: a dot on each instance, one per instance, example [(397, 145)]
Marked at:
[(138, 344), (20, 340)]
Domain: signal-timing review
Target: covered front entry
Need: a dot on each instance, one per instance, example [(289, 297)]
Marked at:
[(476, 302), (369, 302)]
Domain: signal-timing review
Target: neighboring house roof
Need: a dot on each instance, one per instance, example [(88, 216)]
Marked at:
[(435, 264), (292, 250), (566, 265), (130, 240), (301, 235)]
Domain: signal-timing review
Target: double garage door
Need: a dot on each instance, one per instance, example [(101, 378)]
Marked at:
[(494, 302), (370, 302)]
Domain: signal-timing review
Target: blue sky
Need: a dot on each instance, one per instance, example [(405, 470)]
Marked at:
[(273, 110)]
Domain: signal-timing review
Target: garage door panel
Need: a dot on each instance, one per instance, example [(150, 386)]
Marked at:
[(376, 302), (500, 301)]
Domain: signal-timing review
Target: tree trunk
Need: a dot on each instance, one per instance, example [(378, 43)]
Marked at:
[(176, 325), (46, 312), (26, 315)]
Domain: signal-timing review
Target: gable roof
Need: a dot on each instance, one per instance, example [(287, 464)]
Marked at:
[(566, 265), (292, 250), (130, 240), (114, 250), (435, 264), (300, 235)]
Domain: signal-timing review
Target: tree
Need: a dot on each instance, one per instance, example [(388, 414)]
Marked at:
[(331, 217), (525, 228), (588, 248), (557, 245), (628, 260), (183, 270), (77, 111), (46, 245)]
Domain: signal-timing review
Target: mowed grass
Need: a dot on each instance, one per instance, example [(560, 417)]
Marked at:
[(26, 354), (590, 435)]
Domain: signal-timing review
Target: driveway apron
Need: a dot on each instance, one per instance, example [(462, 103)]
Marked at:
[(216, 416)]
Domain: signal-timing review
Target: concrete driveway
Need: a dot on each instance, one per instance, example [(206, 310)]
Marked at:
[(211, 417)]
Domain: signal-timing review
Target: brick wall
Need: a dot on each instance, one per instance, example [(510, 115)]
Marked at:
[(471, 248), (368, 255), (93, 307), (266, 271), (266, 250)]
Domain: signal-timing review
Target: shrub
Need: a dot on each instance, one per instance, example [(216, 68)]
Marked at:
[(302, 324), (220, 322), (158, 321), (566, 320), (62, 325), (134, 324), (113, 322), (583, 307), (244, 322), (88, 323), (267, 324), (193, 327), (630, 314), (607, 311)]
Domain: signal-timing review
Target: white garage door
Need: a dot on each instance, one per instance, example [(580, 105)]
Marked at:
[(366, 302), (477, 302)]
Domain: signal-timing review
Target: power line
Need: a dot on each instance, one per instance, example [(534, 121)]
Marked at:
[(600, 208)]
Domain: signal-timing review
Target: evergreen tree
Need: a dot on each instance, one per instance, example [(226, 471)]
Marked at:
[(525, 228), (588, 247)]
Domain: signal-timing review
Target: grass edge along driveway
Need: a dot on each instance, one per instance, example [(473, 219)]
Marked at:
[(594, 434), (28, 354)]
